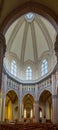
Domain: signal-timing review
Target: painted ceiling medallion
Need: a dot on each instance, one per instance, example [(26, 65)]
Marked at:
[(29, 17)]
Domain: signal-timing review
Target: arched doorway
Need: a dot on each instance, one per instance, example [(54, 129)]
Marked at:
[(28, 102), (11, 106), (45, 106)]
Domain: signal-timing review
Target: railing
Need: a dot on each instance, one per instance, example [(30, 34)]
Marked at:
[(45, 84), (12, 84), (28, 89)]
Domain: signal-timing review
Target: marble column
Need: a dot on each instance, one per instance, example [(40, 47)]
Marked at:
[(18, 110), (44, 112), (13, 111), (34, 110), (36, 114), (0, 106), (2, 53), (54, 99), (3, 94), (3, 108), (36, 104), (57, 107), (22, 110), (57, 91), (20, 103)]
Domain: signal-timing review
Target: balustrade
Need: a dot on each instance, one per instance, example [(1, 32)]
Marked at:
[(45, 84), (12, 84), (28, 89)]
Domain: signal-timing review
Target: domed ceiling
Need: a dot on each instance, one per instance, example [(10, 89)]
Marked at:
[(29, 37)]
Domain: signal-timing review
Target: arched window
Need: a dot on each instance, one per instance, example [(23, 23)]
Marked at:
[(28, 73), (13, 68), (44, 67)]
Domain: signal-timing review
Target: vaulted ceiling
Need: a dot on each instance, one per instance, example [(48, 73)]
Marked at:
[(29, 38)]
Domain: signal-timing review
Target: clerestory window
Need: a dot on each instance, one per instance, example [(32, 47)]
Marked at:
[(28, 73), (14, 68), (44, 67)]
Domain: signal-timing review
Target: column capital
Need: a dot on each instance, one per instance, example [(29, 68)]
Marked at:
[(56, 47)]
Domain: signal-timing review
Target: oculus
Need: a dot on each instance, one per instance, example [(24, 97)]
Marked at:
[(29, 17)]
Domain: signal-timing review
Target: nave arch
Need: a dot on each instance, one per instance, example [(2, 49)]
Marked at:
[(11, 106), (29, 7), (45, 106), (28, 106)]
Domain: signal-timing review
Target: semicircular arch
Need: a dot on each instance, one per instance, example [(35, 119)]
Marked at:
[(43, 92), (29, 7)]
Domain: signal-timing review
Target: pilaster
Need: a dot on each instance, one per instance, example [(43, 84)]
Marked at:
[(20, 103), (36, 113), (36, 104), (3, 108), (0, 105), (44, 112), (3, 91)]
